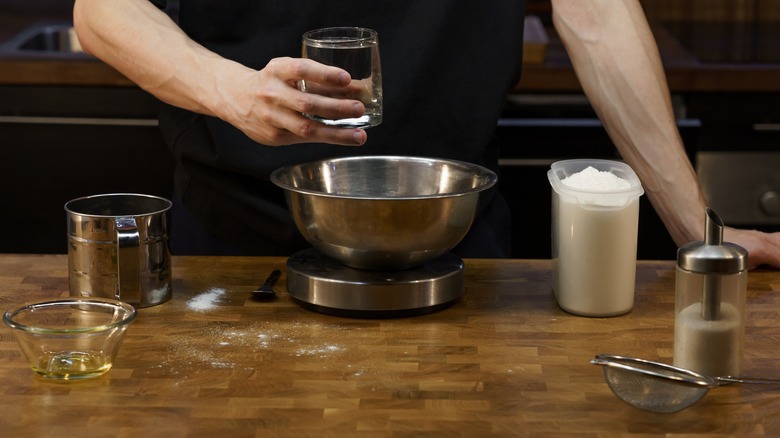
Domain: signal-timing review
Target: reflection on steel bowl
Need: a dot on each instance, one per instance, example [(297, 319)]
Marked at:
[(384, 212)]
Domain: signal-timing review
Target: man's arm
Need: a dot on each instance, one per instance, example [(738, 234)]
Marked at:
[(616, 60), (145, 45)]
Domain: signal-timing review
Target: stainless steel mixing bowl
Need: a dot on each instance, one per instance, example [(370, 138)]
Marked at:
[(383, 212)]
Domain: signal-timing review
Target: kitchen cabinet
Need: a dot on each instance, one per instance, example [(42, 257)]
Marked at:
[(63, 142), (737, 121)]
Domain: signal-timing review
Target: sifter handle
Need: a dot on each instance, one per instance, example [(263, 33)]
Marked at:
[(128, 241)]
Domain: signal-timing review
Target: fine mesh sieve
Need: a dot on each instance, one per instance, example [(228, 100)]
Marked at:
[(659, 387), (653, 386)]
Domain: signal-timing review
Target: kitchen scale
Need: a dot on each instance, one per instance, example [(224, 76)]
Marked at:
[(323, 284)]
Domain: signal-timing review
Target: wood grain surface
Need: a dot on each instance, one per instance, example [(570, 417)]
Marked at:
[(503, 361)]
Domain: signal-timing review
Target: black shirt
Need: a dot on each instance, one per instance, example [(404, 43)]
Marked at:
[(446, 69)]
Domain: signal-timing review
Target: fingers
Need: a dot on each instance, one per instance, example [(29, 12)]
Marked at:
[(303, 130), (284, 127), (331, 96), (268, 107), (763, 248), (770, 255), (325, 107), (295, 69)]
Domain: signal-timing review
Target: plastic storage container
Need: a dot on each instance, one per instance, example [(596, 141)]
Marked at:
[(594, 239)]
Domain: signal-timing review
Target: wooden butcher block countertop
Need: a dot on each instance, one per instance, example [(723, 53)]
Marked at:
[(503, 361)]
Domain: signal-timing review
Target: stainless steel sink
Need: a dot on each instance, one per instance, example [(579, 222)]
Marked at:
[(45, 39)]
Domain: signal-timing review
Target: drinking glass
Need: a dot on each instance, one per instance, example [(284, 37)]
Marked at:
[(356, 50)]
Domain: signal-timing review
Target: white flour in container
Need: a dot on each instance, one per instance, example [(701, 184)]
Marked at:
[(592, 179), (594, 243)]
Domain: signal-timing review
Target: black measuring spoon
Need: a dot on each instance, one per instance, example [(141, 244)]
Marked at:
[(266, 292)]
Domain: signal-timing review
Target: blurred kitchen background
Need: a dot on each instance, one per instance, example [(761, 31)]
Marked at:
[(71, 126)]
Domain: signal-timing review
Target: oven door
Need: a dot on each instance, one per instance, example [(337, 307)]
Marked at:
[(738, 158), (743, 187)]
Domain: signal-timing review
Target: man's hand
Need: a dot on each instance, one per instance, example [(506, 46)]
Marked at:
[(763, 248), (268, 106)]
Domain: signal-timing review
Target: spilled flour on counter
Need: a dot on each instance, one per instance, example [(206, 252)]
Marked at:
[(206, 300), (320, 350), (246, 347)]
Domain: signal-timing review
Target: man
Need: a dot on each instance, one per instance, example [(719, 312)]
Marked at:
[(229, 72)]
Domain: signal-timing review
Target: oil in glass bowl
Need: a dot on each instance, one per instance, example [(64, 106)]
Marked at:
[(71, 338)]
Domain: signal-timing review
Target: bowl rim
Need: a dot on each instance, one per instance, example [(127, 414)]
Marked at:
[(70, 301), (491, 177)]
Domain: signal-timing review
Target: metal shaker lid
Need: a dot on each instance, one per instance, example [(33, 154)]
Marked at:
[(712, 256)]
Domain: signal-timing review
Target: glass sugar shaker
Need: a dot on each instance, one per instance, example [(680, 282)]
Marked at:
[(711, 290)]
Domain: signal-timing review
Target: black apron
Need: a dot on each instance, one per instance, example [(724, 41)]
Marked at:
[(447, 66)]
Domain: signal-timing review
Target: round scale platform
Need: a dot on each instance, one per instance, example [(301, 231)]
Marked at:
[(325, 285)]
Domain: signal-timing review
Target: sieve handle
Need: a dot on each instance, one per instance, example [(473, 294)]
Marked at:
[(128, 240), (745, 379)]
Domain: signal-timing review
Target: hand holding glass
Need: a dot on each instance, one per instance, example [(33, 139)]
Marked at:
[(355, 50)]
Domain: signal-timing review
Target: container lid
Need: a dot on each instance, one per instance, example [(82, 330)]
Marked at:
[(712, 256), (597, 196)]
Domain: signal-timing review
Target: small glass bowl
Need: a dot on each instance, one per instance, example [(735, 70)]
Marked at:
[(71, 338)]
